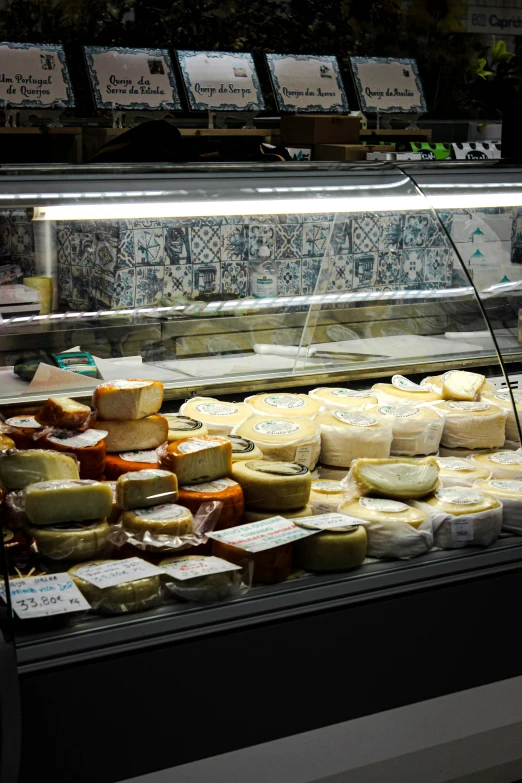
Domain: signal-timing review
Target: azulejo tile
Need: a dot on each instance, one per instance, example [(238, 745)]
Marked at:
[(64, 282), (144, 223), (364, 270), (288, 218), (149, 284), (341, 273), (390, 232), (389, 268), (436, 264), (206, 244), (309, 274), (289, 277), (288, 241), (26, 263), (124, 288), (259, 235), (234, 278), (177, 245), (106, 253), (149, 246), (234, 243), (366, 234), (412, 267), (83, 248), (318, 217), (415, 230), (126, 249), (207, 278), (436, 235), (177, 281), (318, 238), (21, 239), (5, 235)]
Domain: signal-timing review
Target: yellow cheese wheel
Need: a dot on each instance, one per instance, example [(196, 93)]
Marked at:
[(326, 496), (402, 391), (284, 439), (464, 516), (384, 510), (273, 486), (199, 459), (73, 541), (219, 417), (455, 471), (128, 400), (284, 404), (119, 599), (75, 500), (501, 489), (243, 449), (503, 400), (331, 550), (459, 501), (472, 425), (183, 426), (166, 519), (144, 488), (417, 430), (339, 398), (134, 435), (501, 464), (117, 465)]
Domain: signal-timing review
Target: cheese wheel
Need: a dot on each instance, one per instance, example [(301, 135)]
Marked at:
[(219, 417), (6, 443), (509, 493), (183, 426), (402, 391), (382, 509), (54, 502), (222, 490), (503, 400), (124, 598), (166, 519), (127, 400), (284, 440), (198, 459), (18, 469), (143, 488), (347, 435), (63, 412), (472, 425), (146, 433), (114, 516), (340, 399), (209, 587), (416, 430), (283, 404), (331, 550), (88, 447), (436, 382), (74, 541), (462, 385), (117, 465), (501, 464), (23, 430), (455, 472), (273, 486), (258, 516), (444, 451), (243, 449), (326, 496), (464, 517), (330, 473), (270, 565), (407, 479)]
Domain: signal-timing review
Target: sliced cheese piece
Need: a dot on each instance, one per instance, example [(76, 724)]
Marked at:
[(436, 382), (183, 426), (458, 472), (73, 500), (143, 488), (166, 519), (217, 586), (340, 399), (416, 430), (284, 404), (462, 385), (402, 391), (284, 440), (198, 459), (23, 430), (331, 550), (509, 493), (346, 435), (270, 565), (407, 479), (6, 443), (464, 517), (501, 464), (18, 469), (117, 465), (219, 417), (124, 598), (243, 449), (472, 425), (88, 447), (258, 516), (224, 491), (503, 400), (114, 516), (326, 496), (273, 486), (63, 412), (127, 400), (73, 541), (145, 433)]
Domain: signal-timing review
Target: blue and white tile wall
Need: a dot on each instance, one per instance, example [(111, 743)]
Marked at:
[(17, 241)]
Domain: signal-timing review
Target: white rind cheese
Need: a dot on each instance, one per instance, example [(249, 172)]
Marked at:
[(127, 400), (54, 502), (283, 404), (436, 382), (331, 550), (416, 430), (140, 435), (509, 493), (219, 417), (402, 391), (462, 385), (407, 479), (142, 488), (503, 400), (341, 399), (501, 464), (284, 440), (347, 435), (326, 496), (198, 459), (458, 472), (273, 486), (472, 425), (18, 469), (463, 516)]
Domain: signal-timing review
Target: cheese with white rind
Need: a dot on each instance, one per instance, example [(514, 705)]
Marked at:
[(142, 488), (270, 565), (73, 541), (326, 496), (243, 449), (509, 493), (402, 391), (124, 598), (444, 451), (141, 434), (436, 382), (462, 385), (501, 464), (346, 435), (75, 500), (283, 404), (258, 516), (458, 472), (472, 425), (273, 486), (284, 440), (503, 400), (198, 459), (128, 400), (219, 417), (463, 516), (183, 426), (166, 519), (18, 469), (407, 479), (339, 399), (63, 412), (331, 550), (417, 430), (224, 491)]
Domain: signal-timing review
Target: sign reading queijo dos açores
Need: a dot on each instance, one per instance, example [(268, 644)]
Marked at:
[(307, 83)]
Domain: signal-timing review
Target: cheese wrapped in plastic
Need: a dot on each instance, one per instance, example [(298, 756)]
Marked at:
[(284, 440), (503, 400), (326, 496), (509, 493), (501, 464), (74, 500), (270, 565), (197, 578), (88, 447), (347, 435), (416, 430), (436, 382), (145, 433), (283, 404), (63, 412), (23, 430), (183, 426), (341, 399), (127, 400), (219, 417), (125, 598), (329, 473), (402, 391), (198, 460), (338, 549), (463, 516), (472, 425), (295, 513), (401, 478), (273, 486), (456, 472), (462, 385), (166, 519), (144, 488), (18, 469), (117, 465), (73, 541), (225, 491)]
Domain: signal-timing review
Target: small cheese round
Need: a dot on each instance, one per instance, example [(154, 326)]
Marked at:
[(18, 469), (509, 493), (183, 426), (331, 550), (472, 425), (143, 488), (198, 459), (270, 565), (124, 598), (273, 486), (408, 479), (503, 400), (326, 496), (416, 430), (127, 400), (74, 541), (88, 447), (167, 519), (23, 430), (402, 391), (117, 465), (457, 472), (347, 435), (219, 417), (436, 382), (340, 399), (74, 500), (258, 516), (384, 510), (63, 412), (243, 449), (462, 385), (284, 440), (6, 443), (146, 433), (464, 517), (501, 464), (210, 587), (284, 404), (224, 491), (459, 501)]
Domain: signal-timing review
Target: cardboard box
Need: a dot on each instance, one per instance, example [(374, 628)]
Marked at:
[(320, 129), (348, 152)]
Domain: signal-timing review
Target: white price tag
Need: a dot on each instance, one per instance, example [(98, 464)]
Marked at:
[(110, 574), (190, 567), (258, 536), (303, 455), (330, 521), (461, 529), (40, 596)]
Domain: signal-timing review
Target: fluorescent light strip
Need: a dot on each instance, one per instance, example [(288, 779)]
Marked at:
[(475, 200)]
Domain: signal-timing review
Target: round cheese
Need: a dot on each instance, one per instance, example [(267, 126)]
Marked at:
[(509, 493), (444, 451), (407, 479), (6, 443), (75, 500), (146, 433), (63, 412), (340, 399), (457, 472), (416, 430), (127, 400), (166, 519), (243, 449), (273, 486), (402, 391), (436, 382), (284, 440), (143, 488), (347, 435), (224, 491), (501, 464), (503, 400), (326, 496), (384, 510), (463, 516), (219, 417), (124, 598), (330, 473), (270, 565), (74, 541), (88, 447), (258, 516), (18, 469), (331, 550), (459, 501), (199, 459), (23, 430), (462, 385), (117, 465), (472, 425), (284, 404), (183, 426)]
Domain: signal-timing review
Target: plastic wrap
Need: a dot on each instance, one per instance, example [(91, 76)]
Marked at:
[(340, 399), (503, 400), (144, 488), (218, 585), (457, 472), (509, 493), (124, 598), (18, 469), (417, 430), (273, 486), (436, 382), (284, 440), (225, 490), (472, 425), (455, 531), (73, 541), (401, 478), (54, 502), (346, 435)]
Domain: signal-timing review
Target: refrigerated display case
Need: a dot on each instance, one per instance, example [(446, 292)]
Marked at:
[(228, 282)]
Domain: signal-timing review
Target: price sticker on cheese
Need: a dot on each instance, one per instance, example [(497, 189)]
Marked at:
[(191, 567), (461, 529), (118, 572), (331, 521), (41, 596), (265, 534)]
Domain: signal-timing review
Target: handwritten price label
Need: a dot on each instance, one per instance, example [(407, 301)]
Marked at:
[(266, 534), (110, 574), (190, 567), (41, 596)]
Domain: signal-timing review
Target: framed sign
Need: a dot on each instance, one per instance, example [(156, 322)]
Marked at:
[(220, 81), (307, 83), (131, 78), (389, 85), (34, 76)]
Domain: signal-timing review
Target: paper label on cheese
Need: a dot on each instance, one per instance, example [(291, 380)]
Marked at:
[(277, 468), (514, 486), (283, 401), (331, 521), (265, 534), (303, 455), (469, 406), (216, 409), (164, 512), (191, 567), (400, 382), (41, 596), (505, 397), (276, 427), (140, 475), (506, 458), (183, 423), (211, 486), (350, 393), (110, 574), (460, 496), (189, 446), (462, 529), (399, 411), (454, 464), (433, 431), (80, 440), (24, 422), (140, 456), (356, 419), (381, 504), (240, 445), (125, 384), (326, 486)]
